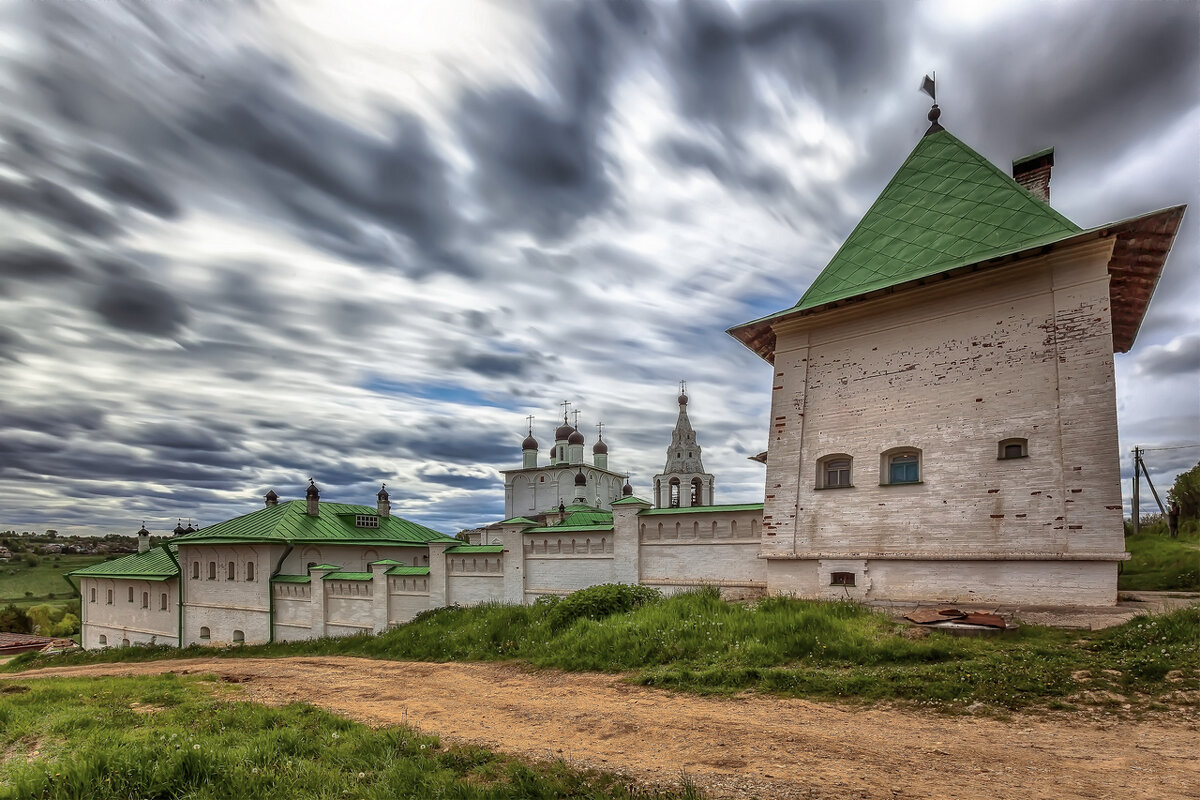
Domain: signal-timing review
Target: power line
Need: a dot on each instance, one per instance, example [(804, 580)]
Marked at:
[(1177, 447)]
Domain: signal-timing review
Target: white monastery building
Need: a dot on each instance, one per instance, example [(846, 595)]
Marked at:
[(943, 428)]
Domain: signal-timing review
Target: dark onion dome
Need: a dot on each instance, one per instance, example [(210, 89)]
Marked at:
[(683, 399), (143, 531), (383, 495), (312, 492), (580, 478), (530, 443), (600, 448), (179, 530), (563, 431), (271, 495), (189, 529), (627, 490), (575, 437)]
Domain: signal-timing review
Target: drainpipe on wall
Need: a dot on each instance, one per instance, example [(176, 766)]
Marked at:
[(179, 628), (271, 594)]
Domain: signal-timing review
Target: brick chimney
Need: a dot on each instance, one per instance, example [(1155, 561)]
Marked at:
[(143, 539), (314, 499), (271, 498), (1033, 173)]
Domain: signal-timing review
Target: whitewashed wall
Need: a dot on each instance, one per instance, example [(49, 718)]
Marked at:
[(125, 620)]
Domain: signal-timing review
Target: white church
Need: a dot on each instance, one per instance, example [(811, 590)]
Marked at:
[(943, 428)]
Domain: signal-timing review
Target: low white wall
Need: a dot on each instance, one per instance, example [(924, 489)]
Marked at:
[(728, 561), (466, 589), (1014, 583)]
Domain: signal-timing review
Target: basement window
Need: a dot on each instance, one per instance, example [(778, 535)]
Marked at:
[(366, 521), (103, 640), (204, 633), (841, 579), (239, 637), (1013, 448)]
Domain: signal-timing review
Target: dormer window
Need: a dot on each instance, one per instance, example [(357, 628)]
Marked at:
[(366, 521)]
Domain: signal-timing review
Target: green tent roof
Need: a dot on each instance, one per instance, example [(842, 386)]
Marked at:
[(518, 521), (156, 564), (631, 501), (946, 205), (289, 522)]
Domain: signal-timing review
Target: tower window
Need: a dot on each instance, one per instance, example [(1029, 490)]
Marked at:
[(833, 472), (674, 493), (1013, 448)]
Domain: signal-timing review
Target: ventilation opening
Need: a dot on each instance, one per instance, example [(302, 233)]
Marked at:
[(841, 579)]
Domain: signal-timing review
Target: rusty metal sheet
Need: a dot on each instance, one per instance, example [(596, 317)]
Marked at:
[(984, 619), (924, 616), (951, 613)]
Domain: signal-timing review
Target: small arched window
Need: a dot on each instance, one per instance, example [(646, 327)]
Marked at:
[(110, 597), (145, 599), (93, 595), (195, 570), (238, 636), (163, 604), (900, 465), (103, 641), (230, 571), (834, 471), (674, 493), (124, 643), (131, 594), (249, 570), (841, 579), (204, 632), (212, 570), (697, 492), (1013, 448)]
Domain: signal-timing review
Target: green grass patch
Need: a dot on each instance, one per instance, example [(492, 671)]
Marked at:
[(21, 582), (825, 650), (1160, 563), (172, 736)]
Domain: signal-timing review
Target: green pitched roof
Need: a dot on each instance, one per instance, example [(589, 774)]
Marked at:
[(153, 565), (408, 571), (703, 509), (518, 521), (630, 501), (292, 579), (476, 548), (349, 576), (289, 522), (946, 206)]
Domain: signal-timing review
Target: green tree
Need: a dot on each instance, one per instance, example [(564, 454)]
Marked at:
[(14, 620), (1186, 492)]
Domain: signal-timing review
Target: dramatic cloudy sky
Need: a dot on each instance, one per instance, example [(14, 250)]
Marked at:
[(245, 243)]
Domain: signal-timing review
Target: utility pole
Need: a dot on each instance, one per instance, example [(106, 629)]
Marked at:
[(1137, 470)]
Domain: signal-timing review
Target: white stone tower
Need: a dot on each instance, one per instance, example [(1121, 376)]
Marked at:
[(683, 482)]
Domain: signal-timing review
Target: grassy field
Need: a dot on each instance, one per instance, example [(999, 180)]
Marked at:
[(1160, 563), (17, 577), (697, 642), (174, 736)]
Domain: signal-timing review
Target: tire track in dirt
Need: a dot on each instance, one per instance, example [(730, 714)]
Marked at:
[(747, 746)]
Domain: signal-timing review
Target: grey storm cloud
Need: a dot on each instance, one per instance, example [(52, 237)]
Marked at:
[(140, 306), (125, 181), (57, 205), (1181, 358), (729, 165), (36, 264)]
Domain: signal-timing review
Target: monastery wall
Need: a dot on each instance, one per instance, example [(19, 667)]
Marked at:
[(679, 551), (566, 562), (125, 619), (407, 597), (225, 591)]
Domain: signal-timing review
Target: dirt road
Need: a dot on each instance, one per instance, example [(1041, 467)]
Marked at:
[(749, 746)]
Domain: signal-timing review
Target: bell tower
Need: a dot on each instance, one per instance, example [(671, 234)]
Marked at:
[(683, 483)]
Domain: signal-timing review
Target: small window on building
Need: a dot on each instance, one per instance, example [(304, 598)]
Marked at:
[(231, 571), (1014, 448), (841, 579), (103, 641), (204, 633), (366, 521), (195, 570), (238, 637), (249, 570), (163, 604), (145, 599), (212, 570), (93, 595), (833, 472), (131, 594), (110, 597), (124, 643), (900, 465), (673, 500)]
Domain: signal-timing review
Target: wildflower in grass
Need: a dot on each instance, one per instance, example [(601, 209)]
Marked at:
[(362, 775), (195, 747)]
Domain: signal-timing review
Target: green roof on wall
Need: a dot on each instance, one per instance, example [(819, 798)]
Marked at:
[(153, 565), (290, 522)]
